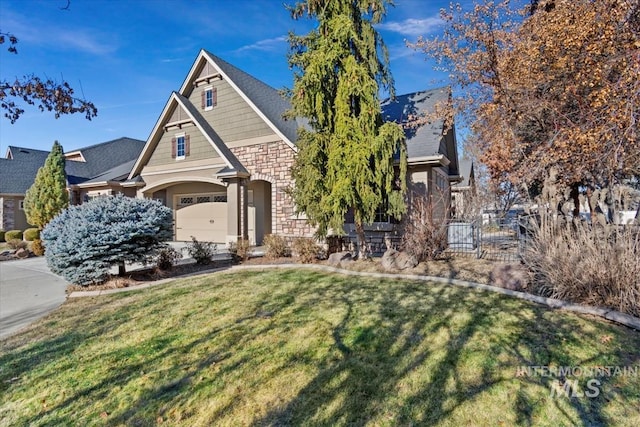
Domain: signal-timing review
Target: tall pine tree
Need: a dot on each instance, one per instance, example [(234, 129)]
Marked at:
[(349, 159), (48, 196)]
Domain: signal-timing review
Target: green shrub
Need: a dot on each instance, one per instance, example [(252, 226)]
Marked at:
[(240, 250), (276, 246), (31, 234), (17, 244), (306, 249), (202, 252), (167, 258), (2, 236), (37, 247), (13, 235)]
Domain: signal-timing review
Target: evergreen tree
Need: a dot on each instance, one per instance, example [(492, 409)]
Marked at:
[(85, 241), (48, 195), (347, 157)]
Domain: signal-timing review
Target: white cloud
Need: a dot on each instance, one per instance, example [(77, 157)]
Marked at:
[(263, 45), (55, 36), (82, 40), (412, 26)]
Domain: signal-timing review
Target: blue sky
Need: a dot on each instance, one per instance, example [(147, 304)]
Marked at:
[(126, 56)]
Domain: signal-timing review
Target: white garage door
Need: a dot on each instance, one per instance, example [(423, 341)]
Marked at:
[(203, 216)]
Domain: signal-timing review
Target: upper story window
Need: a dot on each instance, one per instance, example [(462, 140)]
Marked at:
[(209, 98), (180, 146)]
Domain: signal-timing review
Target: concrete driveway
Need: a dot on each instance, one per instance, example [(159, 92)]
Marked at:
[(28, 291)]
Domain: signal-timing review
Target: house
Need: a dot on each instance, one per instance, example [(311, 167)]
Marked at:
[(220, 155), (98, 170)]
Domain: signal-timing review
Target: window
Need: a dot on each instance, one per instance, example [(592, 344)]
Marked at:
[(180, 146), (21, 205), (209, 98), (182, 201)]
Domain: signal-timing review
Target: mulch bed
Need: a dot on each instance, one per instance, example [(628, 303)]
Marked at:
[(140, 277), (465, 269)]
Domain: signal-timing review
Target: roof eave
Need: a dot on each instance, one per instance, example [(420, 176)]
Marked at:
[(436, 159)]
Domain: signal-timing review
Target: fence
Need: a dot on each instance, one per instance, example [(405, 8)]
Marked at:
[(495, 239), (500, 239)]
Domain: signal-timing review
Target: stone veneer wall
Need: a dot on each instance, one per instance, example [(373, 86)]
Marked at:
[(272, 162), (7, 206)]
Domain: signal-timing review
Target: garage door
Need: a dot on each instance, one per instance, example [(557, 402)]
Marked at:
[(203, 216)]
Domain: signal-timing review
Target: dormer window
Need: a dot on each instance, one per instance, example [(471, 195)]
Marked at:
[(209, 98), (180, 146)]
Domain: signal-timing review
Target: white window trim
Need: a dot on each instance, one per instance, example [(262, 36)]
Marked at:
[(184, 141), (208, 107), (21, 204)]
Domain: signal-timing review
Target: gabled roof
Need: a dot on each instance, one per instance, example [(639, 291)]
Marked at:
[(102, 157), (424, 140), (466, 172), (29, 154), (177, 100), (266, 101), (16, 176), (115, 174), (18, 173)]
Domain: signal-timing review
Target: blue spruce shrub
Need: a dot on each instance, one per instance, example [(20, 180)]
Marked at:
[(85, 241)]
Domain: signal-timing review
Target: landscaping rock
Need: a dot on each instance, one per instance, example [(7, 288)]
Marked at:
[(22, 253), (336, 258), (509, 276), (404, 261), (388, 261), (395, 260)]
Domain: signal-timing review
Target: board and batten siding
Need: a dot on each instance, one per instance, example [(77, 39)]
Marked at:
[(200, 147), (232, 118)]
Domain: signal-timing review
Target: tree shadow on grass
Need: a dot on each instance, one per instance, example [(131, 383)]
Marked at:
[(378, 360), (397, 353)]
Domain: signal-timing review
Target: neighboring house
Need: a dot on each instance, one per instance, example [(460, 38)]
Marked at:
[(220, 155), (97, 170), (464, 192)]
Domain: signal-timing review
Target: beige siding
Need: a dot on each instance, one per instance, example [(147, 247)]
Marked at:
[(232, 118), (20, 218), (200, 148), (158, 181), (178, 114)]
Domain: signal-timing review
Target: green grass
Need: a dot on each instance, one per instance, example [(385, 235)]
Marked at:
[(297, 347)]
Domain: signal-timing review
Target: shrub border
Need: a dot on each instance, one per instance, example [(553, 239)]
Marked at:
[(611, 315)]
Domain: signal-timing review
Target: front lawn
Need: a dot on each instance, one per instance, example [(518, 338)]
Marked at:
[(298, 347)]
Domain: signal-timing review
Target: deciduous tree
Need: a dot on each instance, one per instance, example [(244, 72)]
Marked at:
[(45, 93), (48, 196), (348, 158), (555, 86)]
